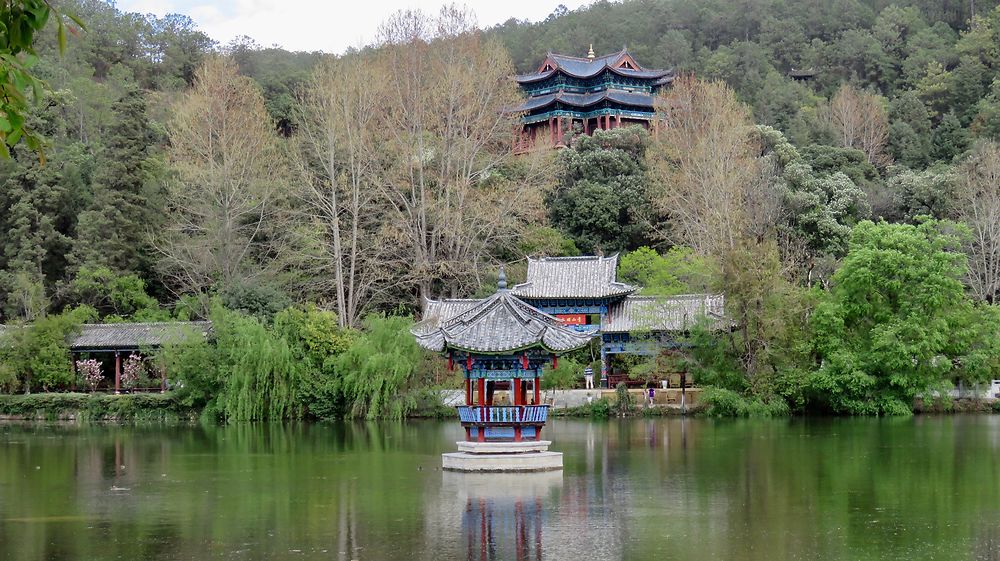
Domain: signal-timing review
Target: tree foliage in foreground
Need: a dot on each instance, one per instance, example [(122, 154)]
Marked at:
[(897, 323)]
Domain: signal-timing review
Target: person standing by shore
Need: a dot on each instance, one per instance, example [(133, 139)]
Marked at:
[(588, 377)]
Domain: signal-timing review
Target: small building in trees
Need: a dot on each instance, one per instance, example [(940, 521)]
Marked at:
[(120, 340), (584, 294), (592, 92)]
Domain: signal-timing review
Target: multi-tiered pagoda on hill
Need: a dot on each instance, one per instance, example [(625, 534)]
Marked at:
[(596, 92)]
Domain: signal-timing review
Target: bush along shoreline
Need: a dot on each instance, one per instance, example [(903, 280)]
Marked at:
[(95, 407)]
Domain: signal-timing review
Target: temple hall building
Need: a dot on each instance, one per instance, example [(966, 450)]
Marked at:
[(584, 294), (592, 92)]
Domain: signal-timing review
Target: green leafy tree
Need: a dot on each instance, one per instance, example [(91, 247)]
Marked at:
[(950, 138), (20, 21), (910, 131), (679, 271), (896, 323), (602, 191), (120, 296), (37, 354)]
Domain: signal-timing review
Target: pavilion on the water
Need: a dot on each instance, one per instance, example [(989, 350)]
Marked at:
[(500, 339), (595, 93), (584, 294)]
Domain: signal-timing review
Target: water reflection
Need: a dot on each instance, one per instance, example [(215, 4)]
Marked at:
[(651, 488), (502, 514)]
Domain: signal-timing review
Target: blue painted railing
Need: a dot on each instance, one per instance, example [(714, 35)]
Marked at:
[(503, 414)]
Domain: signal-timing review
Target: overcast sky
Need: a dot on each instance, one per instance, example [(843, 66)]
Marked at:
[(322, 25)]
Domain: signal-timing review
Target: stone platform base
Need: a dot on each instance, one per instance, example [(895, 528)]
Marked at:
[(526, 461), (473, 447), (529, 455)]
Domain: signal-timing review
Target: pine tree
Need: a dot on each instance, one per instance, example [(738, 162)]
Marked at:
[(112, 231)]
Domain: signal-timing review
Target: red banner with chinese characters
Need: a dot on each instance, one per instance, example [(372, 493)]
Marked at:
[(572, 319)]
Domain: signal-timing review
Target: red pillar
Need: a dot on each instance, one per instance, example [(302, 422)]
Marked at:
[(481, 431), (618, 121), (538, 392), (76, 371), (552, 131), (468, 391), (559, 131), (515, 398), (118, 372)]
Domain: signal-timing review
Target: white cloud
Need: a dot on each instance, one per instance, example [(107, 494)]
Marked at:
[(330, 26)]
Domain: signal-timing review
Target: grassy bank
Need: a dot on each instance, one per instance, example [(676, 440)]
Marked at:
[(95, 407)]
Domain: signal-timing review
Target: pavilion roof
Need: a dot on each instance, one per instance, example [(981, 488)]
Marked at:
[(665, 313), (635, 99), (573, 278), (579, 67), (135, 336), (499, 324), (129, 336)]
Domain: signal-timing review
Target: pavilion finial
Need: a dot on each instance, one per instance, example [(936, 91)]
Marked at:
[(502, 280), (590, 53)]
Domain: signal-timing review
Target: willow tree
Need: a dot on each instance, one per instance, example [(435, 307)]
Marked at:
[(340, 164), (221, 224), (454, 195)]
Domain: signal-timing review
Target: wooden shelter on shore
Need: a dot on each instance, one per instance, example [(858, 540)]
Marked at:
[(118, 339)]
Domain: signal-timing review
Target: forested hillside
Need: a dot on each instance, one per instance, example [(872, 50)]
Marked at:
[(850, 214), (933, 63)]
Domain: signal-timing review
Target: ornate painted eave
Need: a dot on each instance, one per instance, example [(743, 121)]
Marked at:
[(500, 324), (666, 313), (591, 277), (643, 101)]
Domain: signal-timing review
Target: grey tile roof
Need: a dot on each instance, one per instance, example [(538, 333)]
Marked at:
[(501, 323), (573, 278), (671, 313), (438, 312), (637, 99), (578, 67), (127, 336)]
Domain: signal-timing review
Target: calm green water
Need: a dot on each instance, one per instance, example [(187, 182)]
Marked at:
[(921, 488)]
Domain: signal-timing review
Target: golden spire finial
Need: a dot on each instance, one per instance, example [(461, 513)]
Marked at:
[(590, 53)]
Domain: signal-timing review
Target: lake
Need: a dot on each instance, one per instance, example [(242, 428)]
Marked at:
[(686, 489)]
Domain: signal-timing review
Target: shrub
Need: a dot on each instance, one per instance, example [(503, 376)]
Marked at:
[(566, 376), (38, 354), (625, 402), (91, 370), (95, 407), (720, 402)]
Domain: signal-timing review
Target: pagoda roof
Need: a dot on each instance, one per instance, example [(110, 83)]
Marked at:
[(643, 100), (573, 278), (670, 313), (620, 63), (502, 323)]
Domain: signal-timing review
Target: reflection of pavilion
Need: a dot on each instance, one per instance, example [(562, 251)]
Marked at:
[(502, 511)]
